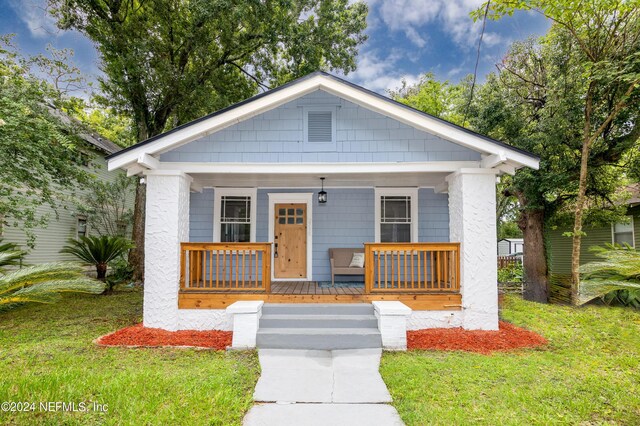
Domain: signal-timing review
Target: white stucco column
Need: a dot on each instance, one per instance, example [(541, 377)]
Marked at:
[(166, 226), (472, 222)]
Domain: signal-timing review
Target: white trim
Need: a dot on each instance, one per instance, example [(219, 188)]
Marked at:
[(323, 169), (633, 232), (218, 193), (147, 161), (297, 197), (411, 192), (337, 88), (318, 146)]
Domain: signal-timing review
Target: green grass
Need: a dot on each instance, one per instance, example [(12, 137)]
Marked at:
[(588, 374), (47, 354)]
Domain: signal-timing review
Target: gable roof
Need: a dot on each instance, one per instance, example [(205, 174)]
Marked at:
[(93, 138), (339, 87)]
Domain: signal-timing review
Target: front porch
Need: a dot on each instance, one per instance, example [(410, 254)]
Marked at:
[(424, 276)]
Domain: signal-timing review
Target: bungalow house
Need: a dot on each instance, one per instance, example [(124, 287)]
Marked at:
[(244, 205)]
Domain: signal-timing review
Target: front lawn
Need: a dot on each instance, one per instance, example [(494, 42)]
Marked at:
[(46, 355), (588, 374)]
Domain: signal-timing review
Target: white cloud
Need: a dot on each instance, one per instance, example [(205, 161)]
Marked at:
[(35, 15), (380, 73), (411, 17)]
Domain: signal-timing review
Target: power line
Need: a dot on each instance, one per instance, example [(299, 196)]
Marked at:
[(475, 70)]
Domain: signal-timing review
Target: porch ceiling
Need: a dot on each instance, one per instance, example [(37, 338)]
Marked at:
[(312, 180)]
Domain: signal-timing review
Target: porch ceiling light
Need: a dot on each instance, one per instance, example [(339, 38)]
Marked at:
[(322, 195)]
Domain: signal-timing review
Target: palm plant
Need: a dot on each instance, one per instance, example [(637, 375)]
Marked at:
[(98, 251), (619, 271), (10, 255), (44, 283)]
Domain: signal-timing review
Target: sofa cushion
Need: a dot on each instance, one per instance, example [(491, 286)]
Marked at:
[(357, 260)]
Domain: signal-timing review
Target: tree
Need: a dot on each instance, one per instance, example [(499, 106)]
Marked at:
[(105, 206), (604, 39), (44, 283), (39, 152), (98, 251), (167, 62), (438, 98)]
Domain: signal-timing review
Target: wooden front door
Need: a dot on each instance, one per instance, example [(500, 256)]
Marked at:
[(290, 241)]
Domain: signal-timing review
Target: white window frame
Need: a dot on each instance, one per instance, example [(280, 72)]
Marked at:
[(318, 146), (218, 193), (293, 197), (397, 192), (86, 226), (633, 232)]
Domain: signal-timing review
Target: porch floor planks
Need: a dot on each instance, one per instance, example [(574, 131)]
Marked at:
[(290, 287)]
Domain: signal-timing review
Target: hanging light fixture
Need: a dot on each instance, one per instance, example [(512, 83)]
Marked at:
[(322, 195)]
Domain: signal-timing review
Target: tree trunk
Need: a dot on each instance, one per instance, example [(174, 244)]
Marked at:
[(582, 190), (136, 255), (101, 271), (535, 261)]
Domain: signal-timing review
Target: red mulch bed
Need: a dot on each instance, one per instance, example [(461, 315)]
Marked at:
[(139, 336), (508, 337)]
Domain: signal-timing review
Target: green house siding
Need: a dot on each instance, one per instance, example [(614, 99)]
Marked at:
[(559, 247), (50, 239)]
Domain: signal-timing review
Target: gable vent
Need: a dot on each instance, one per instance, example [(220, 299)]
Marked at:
[(319, 126)]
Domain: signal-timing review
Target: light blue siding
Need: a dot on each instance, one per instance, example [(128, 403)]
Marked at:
[(346, 220), (433, 216), (361, 136), (201, 216)]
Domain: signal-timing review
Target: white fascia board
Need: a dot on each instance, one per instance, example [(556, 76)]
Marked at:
[(422, 122), (218, 122), (320, 168)]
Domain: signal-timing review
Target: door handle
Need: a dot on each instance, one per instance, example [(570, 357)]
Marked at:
[(275, 253)]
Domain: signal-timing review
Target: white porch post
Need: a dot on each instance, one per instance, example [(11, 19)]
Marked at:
[(167, 224), (472, 222)]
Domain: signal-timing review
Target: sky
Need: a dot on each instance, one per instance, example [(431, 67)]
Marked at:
[(407, 38)]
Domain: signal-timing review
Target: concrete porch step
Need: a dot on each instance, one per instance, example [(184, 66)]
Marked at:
[(318, 338), (317, 309), (318, 321)]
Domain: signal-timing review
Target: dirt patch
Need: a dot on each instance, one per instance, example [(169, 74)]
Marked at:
[(139, 336), (508, 337)]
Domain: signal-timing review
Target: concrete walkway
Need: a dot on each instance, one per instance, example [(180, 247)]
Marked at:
[(303, 387)]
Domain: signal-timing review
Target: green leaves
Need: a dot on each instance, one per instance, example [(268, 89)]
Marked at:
[(97, 250), (44, 283), (619, 270), (37, 149)]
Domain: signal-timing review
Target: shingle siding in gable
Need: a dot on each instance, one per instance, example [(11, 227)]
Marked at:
[(361, 135)]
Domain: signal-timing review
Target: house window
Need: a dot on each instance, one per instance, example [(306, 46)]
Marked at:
[(319, 129), (235, 222), (396, 215), (622, 233), (234, 215), (81, 227)]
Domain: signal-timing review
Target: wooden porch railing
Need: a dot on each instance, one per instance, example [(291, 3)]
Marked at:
[(225, 266), (412, 267)]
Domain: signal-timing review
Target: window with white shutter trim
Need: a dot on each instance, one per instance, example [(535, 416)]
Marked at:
[(319, 126)]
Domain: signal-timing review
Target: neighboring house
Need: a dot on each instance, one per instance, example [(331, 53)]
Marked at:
[(559, 246), (237, 210), (66, 223), (510, 246)]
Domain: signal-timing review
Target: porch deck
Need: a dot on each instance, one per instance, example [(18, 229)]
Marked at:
[(424, 276)]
